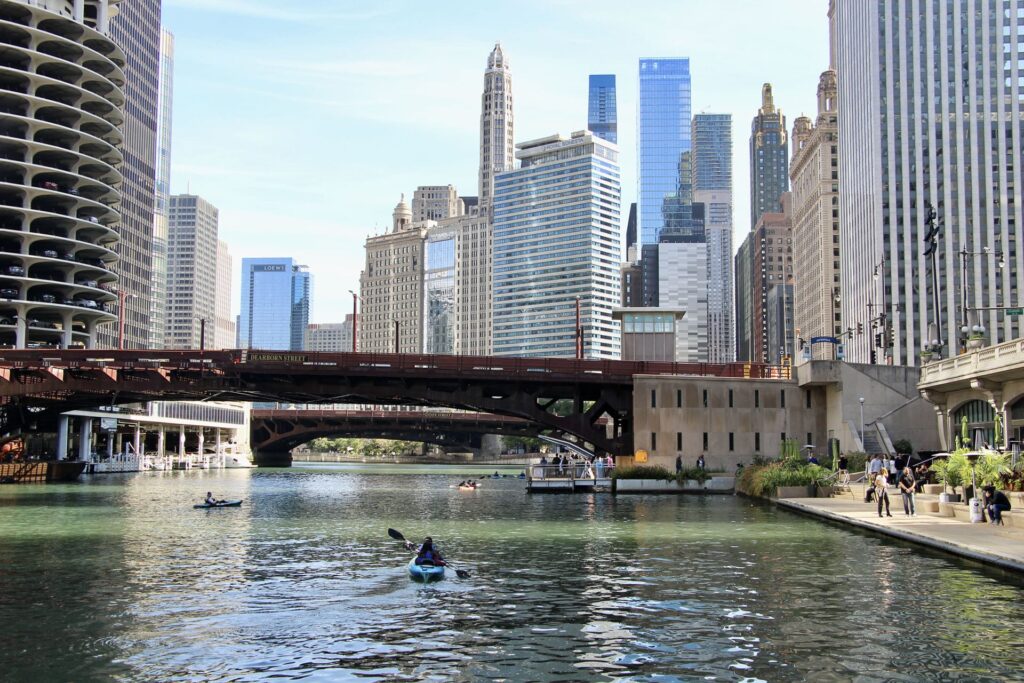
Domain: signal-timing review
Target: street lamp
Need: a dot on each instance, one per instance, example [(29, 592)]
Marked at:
[(861, 399), (355, 320), (967, 328)]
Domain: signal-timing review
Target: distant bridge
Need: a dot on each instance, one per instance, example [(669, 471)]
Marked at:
[(39, 381)]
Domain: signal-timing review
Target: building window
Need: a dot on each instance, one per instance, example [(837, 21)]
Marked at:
[(705, 398), (705, 441), (757, 398), (731, 441), (679, 441), (654, 441), (654, 398), (807, 394), (783, 395), (730, 398), (783, 436), (679, 398), (757, 441)]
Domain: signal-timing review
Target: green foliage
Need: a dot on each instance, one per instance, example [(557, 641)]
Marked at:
[(692, 474), (527, 443), (856, 461), (903, 446), (950, 471), (643, 472), (788, 449), (991, 468), (764, 480)]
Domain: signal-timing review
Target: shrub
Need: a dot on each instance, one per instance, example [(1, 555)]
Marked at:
[(643, 472), (903, 446), (764, 480), (694, 474), (856, 461), (991, 468)]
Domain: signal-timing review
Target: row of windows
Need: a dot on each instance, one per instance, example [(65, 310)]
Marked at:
[(757, 398), (732, 440)]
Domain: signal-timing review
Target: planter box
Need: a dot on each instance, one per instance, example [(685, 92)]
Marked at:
[(947, 509), (824, 492), (795, 492), (932, 489), (929, 506), (949, 497)]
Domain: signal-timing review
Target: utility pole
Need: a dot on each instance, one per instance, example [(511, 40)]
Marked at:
[(355, 320), (396, 336), (579, 332), (932, 233)]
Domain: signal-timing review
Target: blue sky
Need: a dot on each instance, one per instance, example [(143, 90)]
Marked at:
[(303, 122)]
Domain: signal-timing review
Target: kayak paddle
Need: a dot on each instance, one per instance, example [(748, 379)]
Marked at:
[(397, 535)]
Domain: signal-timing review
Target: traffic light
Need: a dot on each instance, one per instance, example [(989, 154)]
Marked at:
[(892, 337), (860, 328), (878, 339)]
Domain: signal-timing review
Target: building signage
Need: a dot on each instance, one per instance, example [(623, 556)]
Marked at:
[(1015, 311), (824, 340), (270, 268), (640, 456), (108, 424)]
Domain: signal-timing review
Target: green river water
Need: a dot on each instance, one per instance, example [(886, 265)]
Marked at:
[(118, 578)]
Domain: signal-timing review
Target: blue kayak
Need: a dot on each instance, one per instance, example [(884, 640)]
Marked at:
[(222, 504), (425, 573)]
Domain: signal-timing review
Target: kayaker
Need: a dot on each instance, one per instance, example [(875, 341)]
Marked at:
[(428, 553), (210, 500)]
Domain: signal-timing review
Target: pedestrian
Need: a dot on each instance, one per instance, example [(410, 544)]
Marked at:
[(874, 467), (843, 465), (700, 462), (881, 482), (560, 461), (890, 467), (679, 463), (907, 484), (996, 503), (599, 466)]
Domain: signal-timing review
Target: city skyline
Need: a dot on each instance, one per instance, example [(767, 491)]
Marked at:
[(360, 154)]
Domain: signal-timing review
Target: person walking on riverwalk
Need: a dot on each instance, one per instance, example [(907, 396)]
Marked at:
[(874, 467), (679, 463), (881, 482), (907, 484)]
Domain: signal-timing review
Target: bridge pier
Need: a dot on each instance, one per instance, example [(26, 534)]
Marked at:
[(269, 458)]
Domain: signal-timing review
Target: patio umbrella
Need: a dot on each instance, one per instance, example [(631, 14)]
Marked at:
[(998, 432), (965, 435)]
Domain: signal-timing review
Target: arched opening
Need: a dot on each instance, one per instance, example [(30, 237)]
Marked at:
[(1015, 418), (980, 423)]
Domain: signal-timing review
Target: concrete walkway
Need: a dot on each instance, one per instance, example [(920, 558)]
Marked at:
[(995, 545)]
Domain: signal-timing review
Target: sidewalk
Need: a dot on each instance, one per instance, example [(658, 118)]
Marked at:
[(995, 545)]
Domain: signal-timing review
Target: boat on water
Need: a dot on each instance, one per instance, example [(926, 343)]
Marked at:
[(425, 573), (222, 504)]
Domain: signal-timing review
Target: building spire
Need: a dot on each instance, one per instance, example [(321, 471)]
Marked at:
[(767, 102)]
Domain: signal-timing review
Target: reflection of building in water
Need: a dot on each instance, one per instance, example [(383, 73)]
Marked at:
[(161, 435)]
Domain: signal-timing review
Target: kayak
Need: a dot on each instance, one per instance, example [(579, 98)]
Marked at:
[(468, 488), (425, 572), (224, 504)]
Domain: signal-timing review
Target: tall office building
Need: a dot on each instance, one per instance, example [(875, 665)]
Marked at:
[(136, 28), (436, 202), (391, 286), (814, 171), (602, 117), (165, 99), (439, 298), (769, 157), (557, 239), (712, 188), (779, 324), (59, 130), (497, 153), (330, 337), (744, 270), (191, 273), (931, 115), (223, 322), (663, 137), (275, 304), (772, 264)]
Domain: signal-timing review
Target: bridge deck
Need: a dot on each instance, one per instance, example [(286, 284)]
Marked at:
[(565, 484)]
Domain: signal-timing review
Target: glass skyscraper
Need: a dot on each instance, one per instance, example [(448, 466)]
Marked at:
[(275, 304), (602, 117), (439, 291), (557, 241), (663, 130)]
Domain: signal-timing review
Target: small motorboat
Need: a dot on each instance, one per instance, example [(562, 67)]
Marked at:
[(426, 572), (474, 487), (222, 504)]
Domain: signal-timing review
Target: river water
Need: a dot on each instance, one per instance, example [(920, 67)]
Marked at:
[(118, 578)]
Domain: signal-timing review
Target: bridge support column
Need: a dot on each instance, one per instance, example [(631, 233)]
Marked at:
[(161, 442), (62, 437), (85, 439), (181, 443), (268, 458), (137, 441), (202, 454), (217, 447)]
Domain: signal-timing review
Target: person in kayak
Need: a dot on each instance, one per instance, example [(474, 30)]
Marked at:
[(210, 500), (429, 554)]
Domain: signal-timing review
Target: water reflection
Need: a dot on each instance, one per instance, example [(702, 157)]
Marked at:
[(121, 579)]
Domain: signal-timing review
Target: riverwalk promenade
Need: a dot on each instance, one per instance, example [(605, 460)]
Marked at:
[(999, 546)]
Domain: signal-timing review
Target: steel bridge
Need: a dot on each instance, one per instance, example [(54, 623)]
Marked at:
[(40, 382)]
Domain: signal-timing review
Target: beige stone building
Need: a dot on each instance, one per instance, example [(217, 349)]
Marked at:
[(391, 287), (814, 176), (435, 203)]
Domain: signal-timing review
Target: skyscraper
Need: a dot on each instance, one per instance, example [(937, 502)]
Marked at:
[(930, 115), (602, 118), (436, 202), (663, 137), (744, 269), (165, 99), (136, 28), (223, 323), (62, 181), (275, 304), (769, 157), (330, 337), (771, 264), (712, 188), (497, 153), (557, 240), (191, 273), (814, 171)]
